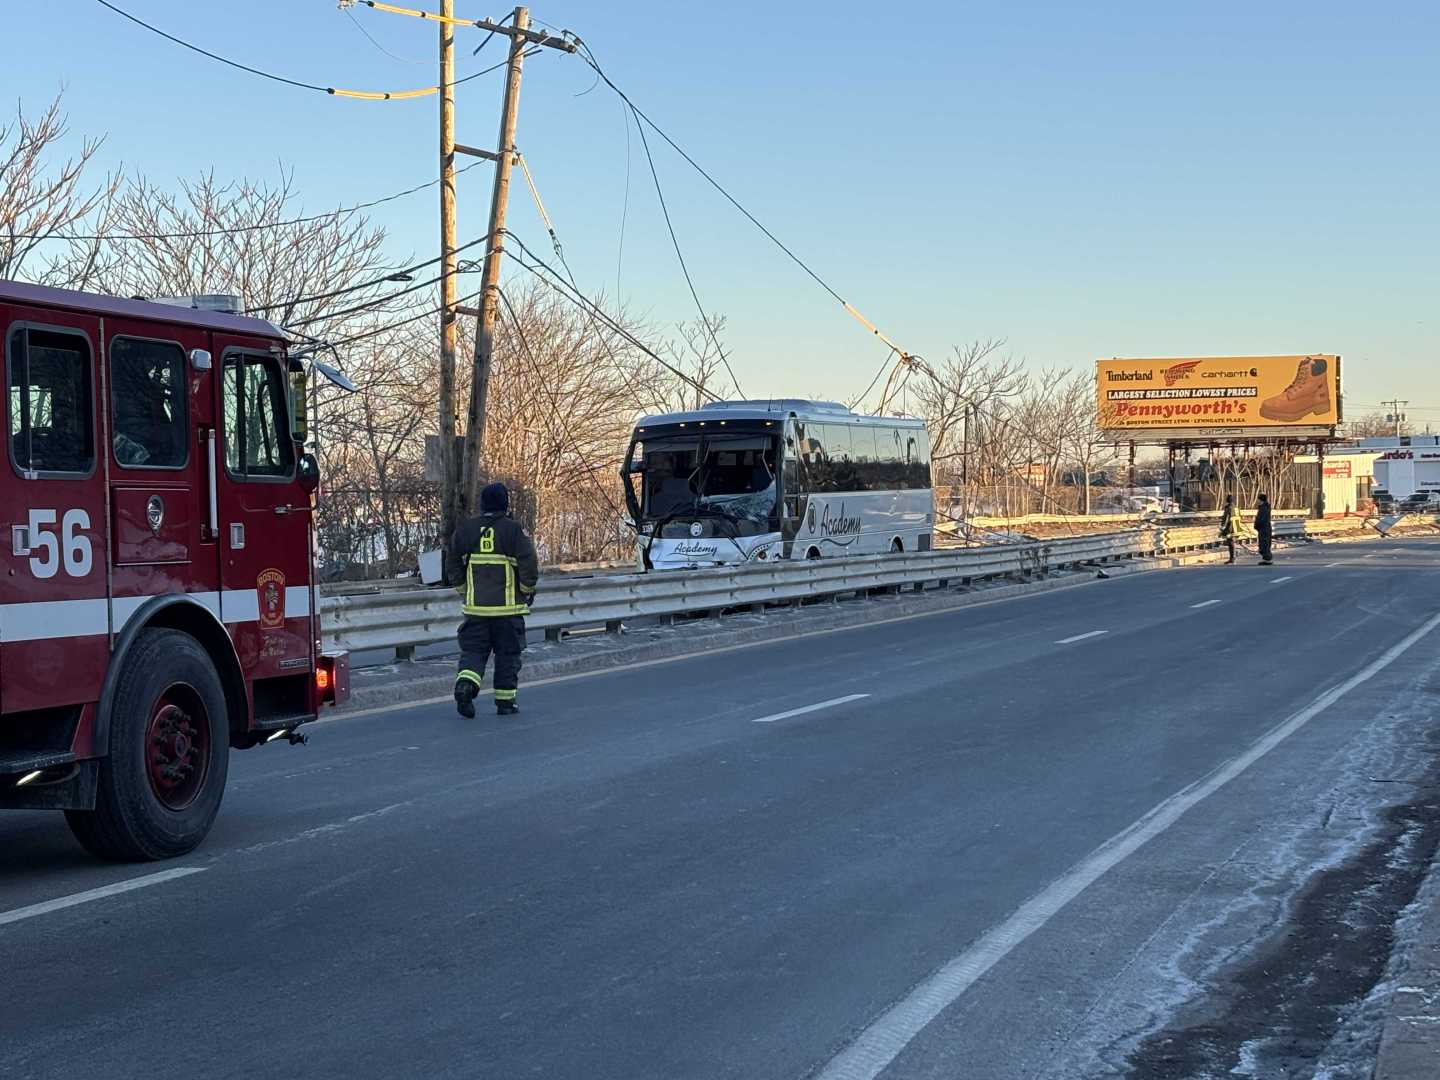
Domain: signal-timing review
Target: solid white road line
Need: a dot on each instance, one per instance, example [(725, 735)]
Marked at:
[(1081, 637), (1278, 580), (98, 894), (808, 708), (1206, 603), (1328, 565), (883, 1039)]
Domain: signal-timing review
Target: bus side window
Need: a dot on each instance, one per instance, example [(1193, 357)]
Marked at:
[(918, 460), (843, 476), (817, 462)]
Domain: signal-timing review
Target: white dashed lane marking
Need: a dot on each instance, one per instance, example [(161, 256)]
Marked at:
[(1081, 637), (1205, 603)]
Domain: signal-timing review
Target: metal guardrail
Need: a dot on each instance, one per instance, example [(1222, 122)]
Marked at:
[(390, 615), (403, 619)]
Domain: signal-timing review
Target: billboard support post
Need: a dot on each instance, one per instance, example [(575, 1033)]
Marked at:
[(1132, 466), (1320, 478)]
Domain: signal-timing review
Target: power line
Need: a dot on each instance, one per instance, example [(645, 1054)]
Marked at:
[(238, 229), (371, 38), (589, 57), (884, 364), (362, 95), (366, 284), (557, 283), (387, 327), (570, 274), (674, 240), (554, 405)]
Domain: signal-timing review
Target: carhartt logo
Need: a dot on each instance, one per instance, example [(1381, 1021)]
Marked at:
[(1175, 372), (1130, 376)]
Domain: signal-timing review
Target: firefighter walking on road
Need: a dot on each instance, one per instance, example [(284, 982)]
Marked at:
[(499, 570)]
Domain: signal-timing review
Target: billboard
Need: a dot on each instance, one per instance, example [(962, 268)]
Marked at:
[(1219, 397)]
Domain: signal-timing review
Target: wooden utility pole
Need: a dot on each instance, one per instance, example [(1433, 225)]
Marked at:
[(451, 503), (520, 39)]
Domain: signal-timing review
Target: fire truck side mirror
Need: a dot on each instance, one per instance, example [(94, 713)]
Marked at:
[(308, 473), (200, 359)]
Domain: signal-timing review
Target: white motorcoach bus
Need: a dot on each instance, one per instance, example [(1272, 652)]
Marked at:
[(741, 481)]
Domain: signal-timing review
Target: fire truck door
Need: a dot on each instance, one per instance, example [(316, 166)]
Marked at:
[(157, 400), (54, 615), (264, 516)]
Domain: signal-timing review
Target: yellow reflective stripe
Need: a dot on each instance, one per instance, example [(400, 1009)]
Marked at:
[(468, 676), (509, 585), (505, 695), (477, 559), (499, 609)]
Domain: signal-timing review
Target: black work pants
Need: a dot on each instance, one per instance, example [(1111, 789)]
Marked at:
[(1265, 544), (504, 635), (1230, 543)]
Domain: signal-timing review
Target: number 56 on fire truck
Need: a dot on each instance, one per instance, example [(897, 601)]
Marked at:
[(158, 604)]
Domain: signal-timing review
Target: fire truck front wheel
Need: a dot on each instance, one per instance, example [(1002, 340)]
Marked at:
[(161, 783)]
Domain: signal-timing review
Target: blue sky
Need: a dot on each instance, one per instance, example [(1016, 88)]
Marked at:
[(1081, 180)]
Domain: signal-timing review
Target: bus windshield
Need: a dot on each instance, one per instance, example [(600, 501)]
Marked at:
[(686, 476)]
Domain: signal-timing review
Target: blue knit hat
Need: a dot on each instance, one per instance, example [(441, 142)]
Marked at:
[(494, 499)]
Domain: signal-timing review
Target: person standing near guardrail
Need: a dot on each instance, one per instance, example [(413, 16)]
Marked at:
[(500, 572), (1263, 530), (1231, 526)]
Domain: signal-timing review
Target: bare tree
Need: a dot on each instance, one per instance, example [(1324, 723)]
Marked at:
[(1087, 445), (42, 198), (244, 237), (1373, 425), (972, 380)]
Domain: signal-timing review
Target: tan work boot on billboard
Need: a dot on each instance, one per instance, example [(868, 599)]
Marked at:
[(1308, 393)]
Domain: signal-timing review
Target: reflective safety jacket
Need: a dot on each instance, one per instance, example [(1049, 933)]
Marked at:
[(499, 565), (1231, 523)]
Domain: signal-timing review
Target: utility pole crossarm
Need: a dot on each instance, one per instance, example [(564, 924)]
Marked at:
[(534, 37)]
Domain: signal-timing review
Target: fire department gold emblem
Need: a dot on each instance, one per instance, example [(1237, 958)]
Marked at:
[(270, 589)]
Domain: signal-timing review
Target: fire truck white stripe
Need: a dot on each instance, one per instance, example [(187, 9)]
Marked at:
[(44, 620)]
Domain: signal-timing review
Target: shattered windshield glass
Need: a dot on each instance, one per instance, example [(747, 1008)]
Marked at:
[(733, 480)]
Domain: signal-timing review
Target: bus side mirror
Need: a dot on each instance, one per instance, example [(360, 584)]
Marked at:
[(308, 473)]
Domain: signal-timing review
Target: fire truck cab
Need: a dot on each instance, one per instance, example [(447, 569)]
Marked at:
[(158, 605)]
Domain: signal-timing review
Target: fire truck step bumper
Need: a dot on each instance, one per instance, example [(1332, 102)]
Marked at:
[(47, 784)]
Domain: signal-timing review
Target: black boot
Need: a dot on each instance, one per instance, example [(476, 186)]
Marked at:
[(465, 692), (506, 708)]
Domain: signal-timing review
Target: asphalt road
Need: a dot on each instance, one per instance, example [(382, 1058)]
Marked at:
[(975, 843)]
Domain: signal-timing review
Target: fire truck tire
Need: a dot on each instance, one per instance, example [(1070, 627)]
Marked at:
[(161, 782)]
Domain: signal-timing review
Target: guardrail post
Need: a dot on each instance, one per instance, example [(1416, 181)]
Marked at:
[(554, 634)]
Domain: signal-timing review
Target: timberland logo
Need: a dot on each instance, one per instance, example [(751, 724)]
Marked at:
[(1175, 372), (1130, 376)]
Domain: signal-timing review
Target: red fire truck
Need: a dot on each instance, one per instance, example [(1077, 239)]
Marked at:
[(158, 602)]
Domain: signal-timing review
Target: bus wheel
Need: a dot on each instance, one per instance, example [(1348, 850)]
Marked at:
[(161, 782), (813, 553), (897, 546)]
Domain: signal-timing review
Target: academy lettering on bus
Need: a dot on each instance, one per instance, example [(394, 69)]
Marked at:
[(158, 607)]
